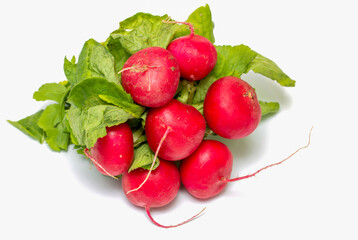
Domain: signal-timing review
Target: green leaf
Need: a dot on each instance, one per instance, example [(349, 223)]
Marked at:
[(269, 108), (237, 60), (82, 93), (202, 23), (144, 118), (268, 68), (120, 55), (50, 117), (98, 91), (52, 122), (233, 60), (89, 123), (144, 30), (203, 87), (29, 126), (58, 138), (134, 109), (70, 68), (72, 136), (139, 137), (49, 124), (95, 61), (143, 158), (50, 91), (80, 149)]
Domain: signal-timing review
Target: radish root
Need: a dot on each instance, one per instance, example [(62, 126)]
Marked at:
[(99, 165), (271, 165), (191, 27), (169, 129), (142, 69), (147, 209)]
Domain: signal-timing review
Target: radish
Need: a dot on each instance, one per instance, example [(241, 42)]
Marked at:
[(113, 154), (207, 171), (201, 172), (151, 76), (195, 54), (231, 108), (186, 130), (159, 189)]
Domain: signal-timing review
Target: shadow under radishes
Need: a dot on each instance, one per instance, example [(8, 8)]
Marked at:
[(246, 151), (86, 174)]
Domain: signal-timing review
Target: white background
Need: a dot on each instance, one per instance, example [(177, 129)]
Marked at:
[(49, 195)]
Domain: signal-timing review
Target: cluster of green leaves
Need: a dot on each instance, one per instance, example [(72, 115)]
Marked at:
[(93, 98)]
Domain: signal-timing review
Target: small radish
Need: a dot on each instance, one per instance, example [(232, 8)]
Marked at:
[(186, 130), (159, 190), (195, 54), (151, 76), (231, 108), (201, 172), (207, 171), (113, 154)]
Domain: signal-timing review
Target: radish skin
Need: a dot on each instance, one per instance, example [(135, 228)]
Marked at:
[(195, 54), (151, 76), (202, 172), (231, 108), (187, 130), (159, 190), (113, 154)]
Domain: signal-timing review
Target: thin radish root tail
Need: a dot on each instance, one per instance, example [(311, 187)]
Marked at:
[(99, 165), (169, 129), (142, 69), (139, 69), (125, 69), (147, 209), (271, 165), (191, 27), (168, 19)]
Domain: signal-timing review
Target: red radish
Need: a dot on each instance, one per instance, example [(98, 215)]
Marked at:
[(207, 171), (201, 173), (195, 54), (113, 154), (159, 190), (155, 157), (151, 76), (187, 129), (231, 108)]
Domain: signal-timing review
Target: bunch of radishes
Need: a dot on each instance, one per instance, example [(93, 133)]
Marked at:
[(141, 105), (175, 131)]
